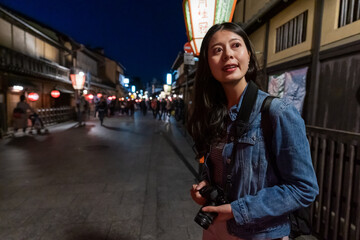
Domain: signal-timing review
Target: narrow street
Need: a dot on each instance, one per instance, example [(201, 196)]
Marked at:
[(129, 179)]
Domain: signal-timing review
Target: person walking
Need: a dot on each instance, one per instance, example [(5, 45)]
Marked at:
[(102, 109), (82, 110), (260, 191), (20, 114)]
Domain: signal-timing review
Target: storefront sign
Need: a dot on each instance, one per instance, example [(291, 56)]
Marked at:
[(189, 59), (200, 15)]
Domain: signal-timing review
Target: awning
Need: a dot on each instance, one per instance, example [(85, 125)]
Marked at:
[(24, 83), (64, 89)]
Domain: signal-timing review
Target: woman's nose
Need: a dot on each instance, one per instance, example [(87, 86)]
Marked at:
[(228, 54)]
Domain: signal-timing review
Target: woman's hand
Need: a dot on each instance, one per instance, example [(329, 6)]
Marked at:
[(196, 196), (224, 211)]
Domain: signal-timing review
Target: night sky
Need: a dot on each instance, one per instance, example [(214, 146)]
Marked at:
[(144, 36)]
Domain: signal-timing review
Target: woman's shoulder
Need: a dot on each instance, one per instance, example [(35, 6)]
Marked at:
[(278, 105)]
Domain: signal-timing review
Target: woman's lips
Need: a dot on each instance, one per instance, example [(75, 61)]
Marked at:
[(230, 68)]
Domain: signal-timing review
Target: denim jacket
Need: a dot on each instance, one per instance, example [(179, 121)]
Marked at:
[(260, 201)]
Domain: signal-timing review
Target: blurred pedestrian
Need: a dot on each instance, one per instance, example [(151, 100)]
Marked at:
[(82, 109), (101, 107), (20, 114), (162, 109), (143, 107)]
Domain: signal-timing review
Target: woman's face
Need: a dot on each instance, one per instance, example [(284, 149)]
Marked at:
[(228, 57)]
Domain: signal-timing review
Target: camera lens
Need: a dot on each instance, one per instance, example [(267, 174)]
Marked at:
[(204, 219)]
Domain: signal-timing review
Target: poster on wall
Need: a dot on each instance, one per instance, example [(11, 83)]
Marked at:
[(290, 85)]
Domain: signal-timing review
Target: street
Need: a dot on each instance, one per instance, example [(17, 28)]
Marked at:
[(129, 179)]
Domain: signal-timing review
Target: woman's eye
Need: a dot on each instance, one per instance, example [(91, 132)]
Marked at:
[(237, 45), (217, 50)]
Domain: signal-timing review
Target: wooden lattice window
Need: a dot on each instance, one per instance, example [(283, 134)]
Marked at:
[(291, 33), (349, 12)]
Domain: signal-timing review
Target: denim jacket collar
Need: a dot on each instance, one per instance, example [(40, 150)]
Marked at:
[(233, 111)]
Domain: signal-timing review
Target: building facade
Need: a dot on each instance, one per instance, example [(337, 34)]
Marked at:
[(35, 59), (309, 52)]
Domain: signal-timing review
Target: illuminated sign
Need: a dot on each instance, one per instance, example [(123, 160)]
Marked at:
[(168, 79), (200, 15)]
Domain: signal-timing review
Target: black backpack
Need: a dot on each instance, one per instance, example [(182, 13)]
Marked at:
[(301, 218)]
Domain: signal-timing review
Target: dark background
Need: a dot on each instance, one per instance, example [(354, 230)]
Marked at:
[(144, 36)]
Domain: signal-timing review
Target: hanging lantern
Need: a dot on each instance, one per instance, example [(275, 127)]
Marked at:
[(99, 95), (55, 93), (200, 15), (90, 96), (33, 97), (78, 80)]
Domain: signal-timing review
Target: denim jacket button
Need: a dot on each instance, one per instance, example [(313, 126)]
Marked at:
[(228, 161), (232, 138)]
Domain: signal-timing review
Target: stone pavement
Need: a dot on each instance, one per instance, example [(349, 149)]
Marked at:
[(126, 180)]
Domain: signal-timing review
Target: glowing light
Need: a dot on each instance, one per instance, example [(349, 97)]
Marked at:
[(168, 79), (90, 96), (17, 88), (99, 95), (55, 93), (78, 80), (33, 97)]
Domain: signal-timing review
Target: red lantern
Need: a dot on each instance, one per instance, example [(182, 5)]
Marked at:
[(55, 93), (99, 95), (33, 97), (90, 96)]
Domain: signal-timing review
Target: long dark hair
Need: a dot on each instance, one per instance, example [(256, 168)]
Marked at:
[(209, 106)]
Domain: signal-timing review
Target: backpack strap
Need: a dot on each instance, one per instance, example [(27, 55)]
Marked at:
[(243, 115), (268, 132), (241, 126)]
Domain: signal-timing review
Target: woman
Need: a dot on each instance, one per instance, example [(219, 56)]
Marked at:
[(259, 199)]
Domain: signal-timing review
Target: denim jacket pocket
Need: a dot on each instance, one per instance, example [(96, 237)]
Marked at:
[(252, 164)]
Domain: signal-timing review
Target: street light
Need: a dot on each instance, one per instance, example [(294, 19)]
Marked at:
[(78, 80)]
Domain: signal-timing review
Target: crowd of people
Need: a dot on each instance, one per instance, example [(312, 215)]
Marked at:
[(24, 116), (161, 108)]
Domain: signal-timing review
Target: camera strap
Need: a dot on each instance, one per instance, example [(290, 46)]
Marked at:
[(241, 126)]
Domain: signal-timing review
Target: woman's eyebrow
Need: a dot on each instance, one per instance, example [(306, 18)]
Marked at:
[(219, 43)]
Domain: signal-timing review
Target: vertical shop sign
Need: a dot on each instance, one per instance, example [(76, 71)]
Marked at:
[(200, 15)]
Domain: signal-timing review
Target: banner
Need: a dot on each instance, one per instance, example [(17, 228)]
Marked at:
[(290, 85)]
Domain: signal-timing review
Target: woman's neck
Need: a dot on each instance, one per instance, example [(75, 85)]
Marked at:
[(233, 91)]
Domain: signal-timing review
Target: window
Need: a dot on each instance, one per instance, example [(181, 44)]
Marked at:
[(291, 33), (349, 12)]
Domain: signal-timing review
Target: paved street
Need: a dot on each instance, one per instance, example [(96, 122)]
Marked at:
[(129, 179)]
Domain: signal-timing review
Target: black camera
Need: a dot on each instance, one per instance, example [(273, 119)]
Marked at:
[(214, 197)]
